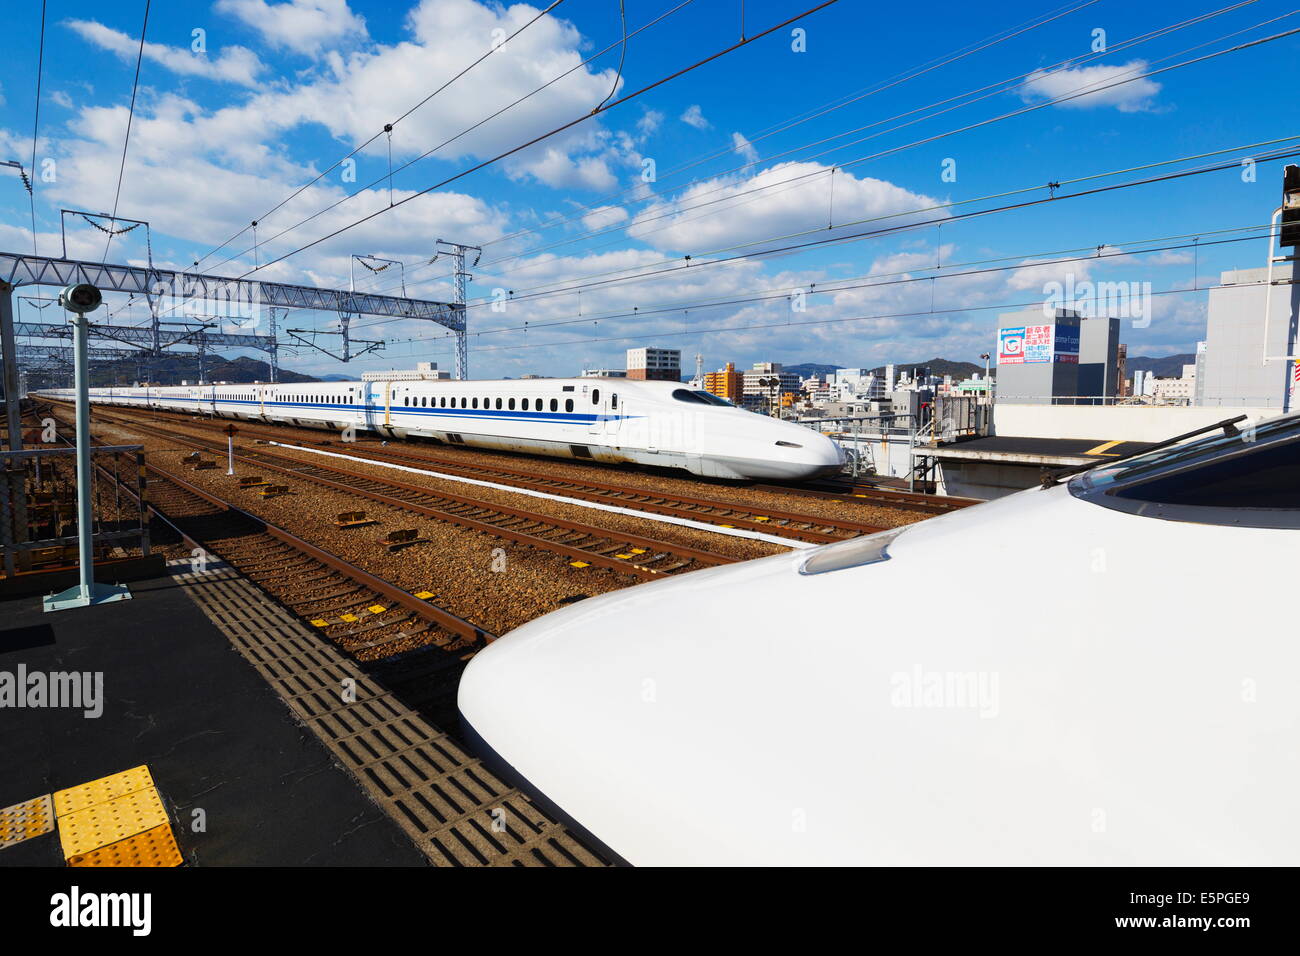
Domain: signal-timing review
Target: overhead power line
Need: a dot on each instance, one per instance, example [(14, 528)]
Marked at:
[(387, 128), (126, 140), (36, 126), (998, 88), (544, 136)]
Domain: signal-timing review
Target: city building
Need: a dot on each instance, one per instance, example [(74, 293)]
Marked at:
[(726, 383), (423, 372), (1176, 391), (651, 364), (752, 380), (604, 373), (1250, 330), (1038, 357)]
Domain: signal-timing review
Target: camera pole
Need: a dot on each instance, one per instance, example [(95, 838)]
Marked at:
[(79, 302)]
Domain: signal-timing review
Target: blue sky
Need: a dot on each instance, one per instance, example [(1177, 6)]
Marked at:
[(279, 91)]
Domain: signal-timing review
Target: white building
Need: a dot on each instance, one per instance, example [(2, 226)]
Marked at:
[(423, 372), (766, 371), (664, 365)]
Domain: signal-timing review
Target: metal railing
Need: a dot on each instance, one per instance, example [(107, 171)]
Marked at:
[(41, 525)]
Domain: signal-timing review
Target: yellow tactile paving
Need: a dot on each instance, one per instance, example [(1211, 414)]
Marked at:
[(105, 823), (25, 820), (153, 847), (104, 789)]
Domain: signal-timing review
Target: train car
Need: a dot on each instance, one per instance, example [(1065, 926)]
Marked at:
[(662, 424), (1098, 672)]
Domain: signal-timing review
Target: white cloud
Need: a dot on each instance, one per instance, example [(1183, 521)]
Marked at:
[(649, 123), (744, 148), (785, 199), (604, 216), (304, 26), (61, 98), (694, 116), (1134, 96), (235, 64)]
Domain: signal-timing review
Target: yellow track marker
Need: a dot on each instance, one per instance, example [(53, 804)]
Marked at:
[(153, 847), (350, 618), (638, 550), (424, 595), (625, 557), (376, 609), (579, 564), (319, 622)]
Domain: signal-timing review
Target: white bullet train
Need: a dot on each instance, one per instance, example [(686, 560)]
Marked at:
[(663, 424), (1102, 671)]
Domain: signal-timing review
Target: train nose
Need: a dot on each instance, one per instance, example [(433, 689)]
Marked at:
[(809, 454)]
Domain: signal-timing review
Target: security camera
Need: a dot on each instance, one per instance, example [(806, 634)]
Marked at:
[(81, 298)]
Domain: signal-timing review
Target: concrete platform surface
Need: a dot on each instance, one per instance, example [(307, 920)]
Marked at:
[(177, 697)]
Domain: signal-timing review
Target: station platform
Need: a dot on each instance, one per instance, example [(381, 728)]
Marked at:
[(1047, 452), (190, 737)]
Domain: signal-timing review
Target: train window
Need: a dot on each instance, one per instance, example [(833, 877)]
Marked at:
[(525, 404), (462, 401), (568, 404), (487, 403), (1266, 478), (1246, 479), (613, 400), (595, 396), (512, 404), (555, 404), (475, 402), (498, 403)]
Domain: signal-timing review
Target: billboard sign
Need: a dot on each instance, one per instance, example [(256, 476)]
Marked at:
[(1011, 346), (1038, 344), (1066, 348)]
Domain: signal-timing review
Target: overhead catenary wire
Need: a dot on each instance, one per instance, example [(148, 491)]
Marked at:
[(836, 320), (996, 88), (544, 136), (447, 142), (697, 263), (956, 270), (1071, 96), (36, 127), (387, 128), (130, 116)]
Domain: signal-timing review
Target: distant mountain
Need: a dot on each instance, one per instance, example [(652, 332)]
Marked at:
[(809, 369), (175, 368), (1167, 366)]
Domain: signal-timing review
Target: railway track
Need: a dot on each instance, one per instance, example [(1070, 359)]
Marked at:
[(814, 529), (643, 557), (455, 810)]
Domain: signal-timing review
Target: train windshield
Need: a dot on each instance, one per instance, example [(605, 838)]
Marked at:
[(700, 398), (1249, 478)]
